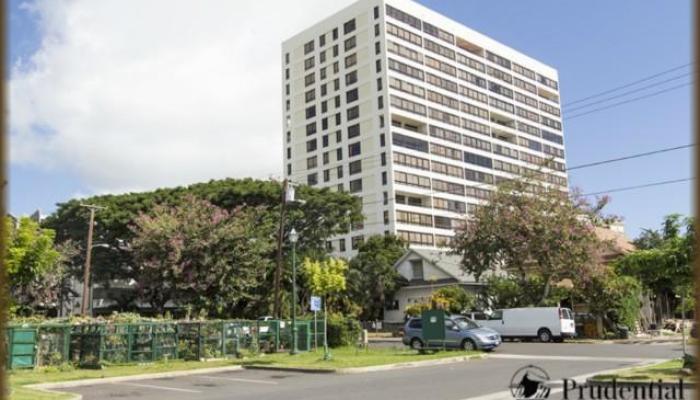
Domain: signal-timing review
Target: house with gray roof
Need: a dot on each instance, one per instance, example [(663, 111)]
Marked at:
[(426, 271)]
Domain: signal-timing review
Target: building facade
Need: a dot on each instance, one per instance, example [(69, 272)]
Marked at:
[(417, 115)]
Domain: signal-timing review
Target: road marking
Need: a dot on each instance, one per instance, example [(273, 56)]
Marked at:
[(156, 387), (572, 358), (240, 380), (557, 388)]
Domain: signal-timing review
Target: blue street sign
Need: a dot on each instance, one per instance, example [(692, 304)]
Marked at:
[(315, 303)]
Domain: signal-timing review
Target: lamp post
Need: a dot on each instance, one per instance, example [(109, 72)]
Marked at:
[(293, 237)]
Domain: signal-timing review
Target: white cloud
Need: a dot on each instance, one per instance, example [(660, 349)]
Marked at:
[(132, 95)]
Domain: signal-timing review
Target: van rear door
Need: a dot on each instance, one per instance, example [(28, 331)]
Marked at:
[(567, 323)]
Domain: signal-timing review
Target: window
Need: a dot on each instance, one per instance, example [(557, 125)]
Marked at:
[(476, 143), (324, 90), (376, 30), (322, 73), (308, 47), (438, 49), (446, 152), (383, 159), (338, 138), (350, 43), (312, 179), (326, 175), (445, 117), (528, 73), (339, 171), (404, 34), (404, 51), (354, 149), (380, 102), (445, 134), (310, 129), (377, 48), (326, 158), (448, 187), (476, 159), (379, 84), (471, 78), (412, 180), (407, 87), (309, 79), (442, 83), (378, 65), (353, 113), (502, 90), (405, 69), (311, 145), (311, 162), (337, 119), (552, 137), (310, 112), (350, 60), (286, 73), (336, 67), (349, 26), (335, 50), (336, 84), (411, 161), (440, 66), (409, 142), (376, 12), (289, 169), (324, 106), (384, 178), (407, 105), (350, 78), (355, 167), (338, 154), (442, 222), (498, 74), (335, 33), (417, 269), (474, 94), (447, 169), (403, 17), (449, 205), (497, 60), (286, 89), (446, 101), (289, 152), (286, 58), (353, 131), (309, 63), (438, 33), (310, 95), (350, 96), (324, 124), (356, 186), (386, 198), (322, 40), (382, 140)]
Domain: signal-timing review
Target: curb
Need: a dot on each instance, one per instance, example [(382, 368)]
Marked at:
[(373, 368), (95, 381)]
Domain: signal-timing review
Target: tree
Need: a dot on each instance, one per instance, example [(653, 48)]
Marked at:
[(325, 278), (323, 213), (201, 255), (373, 278), (529, 229), (664, 262), (34, 264), (453, 299)]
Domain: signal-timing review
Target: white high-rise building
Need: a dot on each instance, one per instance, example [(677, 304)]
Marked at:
[(416, 114)]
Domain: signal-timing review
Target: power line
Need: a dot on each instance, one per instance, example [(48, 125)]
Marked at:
[(629, 92), (649, 153), (622, 189), (628, 84), (630, 100)]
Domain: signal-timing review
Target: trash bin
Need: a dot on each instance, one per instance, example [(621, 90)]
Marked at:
[(623, 332)]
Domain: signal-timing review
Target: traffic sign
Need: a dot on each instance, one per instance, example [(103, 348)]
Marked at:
[(315, 303)]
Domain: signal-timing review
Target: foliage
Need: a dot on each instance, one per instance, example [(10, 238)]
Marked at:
[(453, 299), (34, 264), (530, 229), (373, 278), (323, 213), (325, 278), (615, 296), (200, 254), (342, 331), (509, 291)]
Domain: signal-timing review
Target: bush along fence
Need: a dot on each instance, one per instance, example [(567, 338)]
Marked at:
[(95, 344)]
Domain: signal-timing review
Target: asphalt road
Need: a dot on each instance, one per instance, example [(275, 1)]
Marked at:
[(486, 379)]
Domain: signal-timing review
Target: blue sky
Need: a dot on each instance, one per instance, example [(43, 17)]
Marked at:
[(595, 45)]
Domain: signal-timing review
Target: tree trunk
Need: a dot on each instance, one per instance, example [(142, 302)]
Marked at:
[(545, 292)]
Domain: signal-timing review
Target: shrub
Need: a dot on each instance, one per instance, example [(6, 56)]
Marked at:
[(343, 331)]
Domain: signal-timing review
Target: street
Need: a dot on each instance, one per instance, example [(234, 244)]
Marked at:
[(483, 379)]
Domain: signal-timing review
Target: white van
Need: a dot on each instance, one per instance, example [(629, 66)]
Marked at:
[(544, 323)]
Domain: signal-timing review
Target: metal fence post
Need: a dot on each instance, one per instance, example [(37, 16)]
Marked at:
[(129, 343), (223, 339), (199, 341)]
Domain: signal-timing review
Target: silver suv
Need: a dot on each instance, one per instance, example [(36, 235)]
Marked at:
[(460, 332)]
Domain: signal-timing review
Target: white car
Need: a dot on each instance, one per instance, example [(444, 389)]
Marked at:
[(544, 323)]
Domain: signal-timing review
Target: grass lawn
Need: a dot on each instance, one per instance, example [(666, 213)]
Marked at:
[(344, 357), (667, 371), (350, 357)]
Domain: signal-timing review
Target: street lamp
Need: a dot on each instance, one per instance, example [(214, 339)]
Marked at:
[(293, 237)]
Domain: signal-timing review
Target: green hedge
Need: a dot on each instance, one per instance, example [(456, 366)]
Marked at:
[(343, 331)]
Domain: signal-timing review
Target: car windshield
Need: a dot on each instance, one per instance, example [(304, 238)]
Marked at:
[(466, 323)]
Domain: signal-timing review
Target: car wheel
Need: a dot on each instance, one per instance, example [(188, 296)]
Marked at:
[(468, 345), (416, 344), (544, 335)]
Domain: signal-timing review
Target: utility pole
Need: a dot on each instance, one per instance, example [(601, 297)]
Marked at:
[(277, 312), (88, 256)]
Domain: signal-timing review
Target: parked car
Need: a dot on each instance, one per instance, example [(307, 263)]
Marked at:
[(460, 332), (543, 323)]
